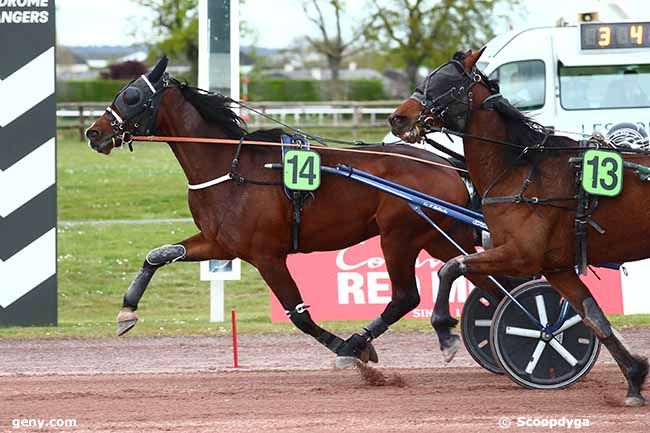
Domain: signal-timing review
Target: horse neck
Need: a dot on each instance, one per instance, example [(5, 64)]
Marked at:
[(485, 160), (200, 161)]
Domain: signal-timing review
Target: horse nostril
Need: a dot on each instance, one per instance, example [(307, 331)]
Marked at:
[(396, 120), (92, 134)]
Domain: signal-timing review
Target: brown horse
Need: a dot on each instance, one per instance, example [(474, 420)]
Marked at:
[(248, 216), (528, 186)]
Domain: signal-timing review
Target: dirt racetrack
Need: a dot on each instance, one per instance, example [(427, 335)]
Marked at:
[(185, 384)]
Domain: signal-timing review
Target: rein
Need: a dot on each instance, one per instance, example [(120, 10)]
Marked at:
[(308, 135), (165, 139), (320, 139)]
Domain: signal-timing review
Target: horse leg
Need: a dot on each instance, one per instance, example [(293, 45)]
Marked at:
[(400, 260), (502, 260), (634, 368), (276, 274), (457, 266), (194, 248), (441, 319)]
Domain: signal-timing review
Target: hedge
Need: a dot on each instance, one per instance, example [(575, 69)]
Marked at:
[(258, 90), (88, 91), (277, 89)]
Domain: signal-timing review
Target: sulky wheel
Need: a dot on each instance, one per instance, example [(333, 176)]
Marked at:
[(475, 323), (552, 358)]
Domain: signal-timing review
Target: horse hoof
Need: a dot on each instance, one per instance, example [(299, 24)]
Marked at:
[(126, 320), (124, 327), (369, 354), (450, 348), (636, 401), (372, 354), (346, 362)]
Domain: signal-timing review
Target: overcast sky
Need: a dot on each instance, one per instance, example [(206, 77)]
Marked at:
[(277, 22)]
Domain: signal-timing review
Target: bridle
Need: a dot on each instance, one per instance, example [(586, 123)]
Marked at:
[(454, 106), (134, 109)]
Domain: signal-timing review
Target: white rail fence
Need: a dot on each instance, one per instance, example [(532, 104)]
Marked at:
[(330, 114)]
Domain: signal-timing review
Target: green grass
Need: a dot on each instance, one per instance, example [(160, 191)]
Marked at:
[(96, 263), (147, 183)]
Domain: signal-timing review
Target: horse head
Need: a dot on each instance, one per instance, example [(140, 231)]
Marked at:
[(132, 112), (444, 99)]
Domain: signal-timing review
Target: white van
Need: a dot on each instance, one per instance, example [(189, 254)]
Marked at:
[(580, 78)]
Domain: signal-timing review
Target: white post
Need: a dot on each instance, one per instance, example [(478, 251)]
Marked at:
[(204, 46), (216, 301), (206, 30), (234, 49)]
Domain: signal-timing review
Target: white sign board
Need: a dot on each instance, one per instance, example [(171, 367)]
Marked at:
[(224, 270), (218, 271), (634, 278)]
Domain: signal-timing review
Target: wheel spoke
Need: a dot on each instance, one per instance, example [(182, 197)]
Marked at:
[(541, 309), (569, 323), (523, 332), (563, 352), (537, 354)]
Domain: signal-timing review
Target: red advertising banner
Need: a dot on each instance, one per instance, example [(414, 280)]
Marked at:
[(353, 284)]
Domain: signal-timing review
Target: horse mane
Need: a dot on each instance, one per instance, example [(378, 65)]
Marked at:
[(526, 132), (520, 129), (213, 107)]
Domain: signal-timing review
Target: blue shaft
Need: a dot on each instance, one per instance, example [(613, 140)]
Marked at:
[(437, 205), (470, 213)]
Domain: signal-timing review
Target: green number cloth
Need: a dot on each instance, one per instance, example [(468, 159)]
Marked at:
[(602, 172), (302, 170)]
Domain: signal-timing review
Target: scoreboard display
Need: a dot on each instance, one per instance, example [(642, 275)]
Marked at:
[(601, 36)]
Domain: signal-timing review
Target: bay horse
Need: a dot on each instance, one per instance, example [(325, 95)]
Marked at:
[(248, 216), (529, 191)]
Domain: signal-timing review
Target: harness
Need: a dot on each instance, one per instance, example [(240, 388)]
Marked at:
[(297, 198), (454, 107)]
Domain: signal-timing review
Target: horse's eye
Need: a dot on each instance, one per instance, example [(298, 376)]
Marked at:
[(131, 96)]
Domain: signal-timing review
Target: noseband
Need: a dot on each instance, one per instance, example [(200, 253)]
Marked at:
[(454, 106), (136, 105)]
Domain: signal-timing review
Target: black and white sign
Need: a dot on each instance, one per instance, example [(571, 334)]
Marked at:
[(28, 286)]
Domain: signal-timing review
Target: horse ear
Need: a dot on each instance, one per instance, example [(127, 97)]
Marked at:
[(472, 57), (158, 70), (460, 56)]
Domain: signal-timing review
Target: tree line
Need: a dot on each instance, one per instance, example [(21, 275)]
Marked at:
[(406, 34)]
